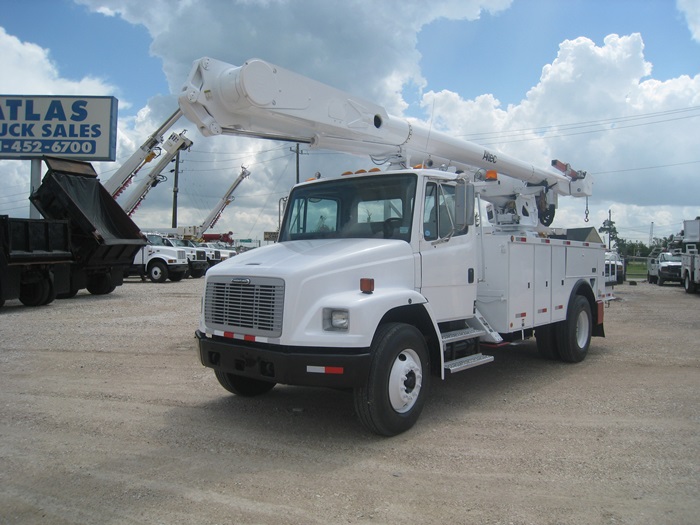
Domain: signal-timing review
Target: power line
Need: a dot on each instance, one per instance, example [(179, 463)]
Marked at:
[(583, 124)]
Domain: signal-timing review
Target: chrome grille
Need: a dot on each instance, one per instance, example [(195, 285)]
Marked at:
[(250, 306)]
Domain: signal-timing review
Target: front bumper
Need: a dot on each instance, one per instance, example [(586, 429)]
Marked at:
[(335, 368), (670, 274)]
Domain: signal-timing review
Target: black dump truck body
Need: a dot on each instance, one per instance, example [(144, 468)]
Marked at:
[(35, 259), (102, 239)]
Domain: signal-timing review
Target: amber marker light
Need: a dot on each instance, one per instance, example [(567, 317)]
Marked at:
[(366, 285)]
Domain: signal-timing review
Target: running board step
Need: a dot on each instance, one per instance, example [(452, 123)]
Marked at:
[(461, 335), (467, 362)]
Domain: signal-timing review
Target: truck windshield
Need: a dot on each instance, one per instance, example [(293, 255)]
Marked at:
[(375, 206)]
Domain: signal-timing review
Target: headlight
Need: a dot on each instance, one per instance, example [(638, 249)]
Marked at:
[(336, 320)]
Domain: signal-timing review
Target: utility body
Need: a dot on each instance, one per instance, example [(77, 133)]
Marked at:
[(381, 281)]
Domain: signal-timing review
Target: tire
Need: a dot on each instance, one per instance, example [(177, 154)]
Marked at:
[(100, 284), (158, 272), (689, 285), (660, 281), (196, 274), (51, 295), (395, 390), (546, 338), (574, 333), (177, 276), (35, 293), (243, 386)]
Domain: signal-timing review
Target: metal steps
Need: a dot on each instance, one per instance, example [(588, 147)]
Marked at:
[(467, 362), (470, 361), (461, 335)]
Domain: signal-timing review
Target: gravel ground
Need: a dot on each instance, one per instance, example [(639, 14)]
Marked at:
[(107, 417)]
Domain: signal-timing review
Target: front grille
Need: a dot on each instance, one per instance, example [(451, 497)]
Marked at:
[(251, 306), (201, 255), (181, 254)]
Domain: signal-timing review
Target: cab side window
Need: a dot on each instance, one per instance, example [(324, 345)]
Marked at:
[(439, 212)]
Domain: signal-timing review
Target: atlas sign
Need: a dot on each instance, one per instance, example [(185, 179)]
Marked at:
[(81, 128)]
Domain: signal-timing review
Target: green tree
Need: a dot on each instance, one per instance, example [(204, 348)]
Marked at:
[(609, 228)]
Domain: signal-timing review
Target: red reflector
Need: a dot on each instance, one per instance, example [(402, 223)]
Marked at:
[(334, 370), (366, 285)]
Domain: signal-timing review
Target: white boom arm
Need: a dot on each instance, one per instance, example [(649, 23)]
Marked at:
[(211, 219), (116, 184), (262, 100), (175, 143)]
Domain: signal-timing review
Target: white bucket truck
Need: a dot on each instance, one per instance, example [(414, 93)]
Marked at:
[(382, 281)]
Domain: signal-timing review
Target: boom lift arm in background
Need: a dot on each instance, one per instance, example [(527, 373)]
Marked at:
[(116, 184), (175, 143), (215, 213)]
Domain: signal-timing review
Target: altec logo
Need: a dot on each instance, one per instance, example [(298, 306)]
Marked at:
[(489, 157)]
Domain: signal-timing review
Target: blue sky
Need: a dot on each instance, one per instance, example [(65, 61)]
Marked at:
[(473, 65)]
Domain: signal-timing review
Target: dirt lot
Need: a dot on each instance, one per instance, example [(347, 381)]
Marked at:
[(106, 416)]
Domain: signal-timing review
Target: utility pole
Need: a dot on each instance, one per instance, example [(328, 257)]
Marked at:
[(175, 188), (610, 230), (298, 152)]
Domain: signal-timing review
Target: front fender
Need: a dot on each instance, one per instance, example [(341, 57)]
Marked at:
[(365, 313)]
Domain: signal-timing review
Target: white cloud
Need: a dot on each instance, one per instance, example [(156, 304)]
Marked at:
[(624, 120), (28, 70), (691, 10)]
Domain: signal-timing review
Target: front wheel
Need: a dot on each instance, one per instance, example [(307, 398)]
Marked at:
[(574, 333), (243, 386), (100, 284), (394, 393), (158, 272)]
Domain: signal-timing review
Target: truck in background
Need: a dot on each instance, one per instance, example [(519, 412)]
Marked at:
[(196, 257), (84, 241), (159, 261), (690, 259), (382, 281), (103, 238), (35, 260)]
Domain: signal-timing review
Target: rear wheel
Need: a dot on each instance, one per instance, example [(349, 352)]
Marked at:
[(574, 333), (243, 386), (689, 285), (394, 393), (35, 293)]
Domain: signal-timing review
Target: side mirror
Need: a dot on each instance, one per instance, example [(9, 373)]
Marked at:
[(464, 205)]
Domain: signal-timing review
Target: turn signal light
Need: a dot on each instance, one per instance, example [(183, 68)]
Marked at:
[(366, 285)]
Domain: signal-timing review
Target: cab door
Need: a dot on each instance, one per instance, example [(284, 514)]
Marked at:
[(448, 256)]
